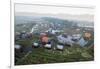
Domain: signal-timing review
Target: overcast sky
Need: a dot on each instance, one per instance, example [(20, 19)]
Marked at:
[(71, 13), (51, 9)]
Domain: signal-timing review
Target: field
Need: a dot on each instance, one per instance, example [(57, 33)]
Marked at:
[(42, 55)]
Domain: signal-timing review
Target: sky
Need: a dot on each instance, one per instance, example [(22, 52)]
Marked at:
[(52, 9), (71, 13)]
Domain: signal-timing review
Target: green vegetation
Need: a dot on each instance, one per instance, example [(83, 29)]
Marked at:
[(27, 42), (43, 56)]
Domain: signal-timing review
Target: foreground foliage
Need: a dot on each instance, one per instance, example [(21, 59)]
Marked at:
[(72, 54)]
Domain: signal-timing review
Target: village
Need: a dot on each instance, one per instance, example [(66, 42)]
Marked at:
[(53, 40)]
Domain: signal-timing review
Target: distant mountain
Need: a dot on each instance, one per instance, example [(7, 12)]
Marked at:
[(26, 19), (81, 17), (40, 24)]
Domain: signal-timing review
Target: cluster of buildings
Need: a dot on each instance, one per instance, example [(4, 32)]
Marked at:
[(58, 38), (64, 39), (22, 35)]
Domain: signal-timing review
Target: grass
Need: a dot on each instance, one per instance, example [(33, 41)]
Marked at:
[(44, 56), (27, 42)]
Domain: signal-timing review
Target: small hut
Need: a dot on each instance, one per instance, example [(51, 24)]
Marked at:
[(60, 47), (35, 45), (76, 37), (18, 48), (48, 45)]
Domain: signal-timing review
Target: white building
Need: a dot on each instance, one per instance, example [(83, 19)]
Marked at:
[(65, 40)]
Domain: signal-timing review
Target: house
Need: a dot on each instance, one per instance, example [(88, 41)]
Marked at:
[(17, 36), (76, 37), (53, 32), (48, 45), (35, 45), (65, 39), (45, 39), (18, 48), (42, 35), (87, 35), (60, 47), (28, 35), (23, 35), (17, 33), (82, 42)]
